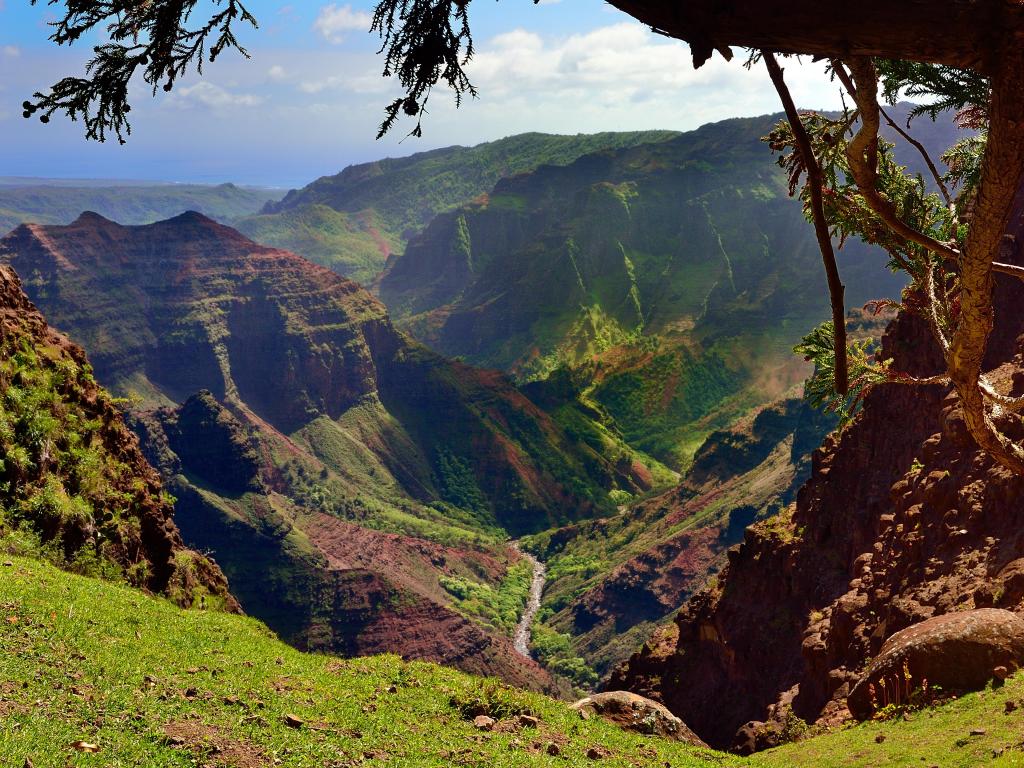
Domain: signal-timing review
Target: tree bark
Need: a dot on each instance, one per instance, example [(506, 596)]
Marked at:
[(1002, 173)]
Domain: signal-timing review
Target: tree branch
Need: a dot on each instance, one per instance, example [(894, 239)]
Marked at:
[(924, 154), (836, 289), (862, 153), (1008, 269)]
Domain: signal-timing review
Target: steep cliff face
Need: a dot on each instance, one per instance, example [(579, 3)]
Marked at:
[(902, 519), (74, 485), (269, 391)]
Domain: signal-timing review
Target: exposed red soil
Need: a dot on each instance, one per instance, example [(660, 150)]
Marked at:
[(209, 743), (408, 561)]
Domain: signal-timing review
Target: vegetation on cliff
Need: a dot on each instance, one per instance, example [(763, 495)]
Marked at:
[(74, 487)]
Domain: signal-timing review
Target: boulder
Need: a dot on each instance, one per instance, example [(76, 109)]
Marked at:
[(756, 736), (956, 651), (636, 713)]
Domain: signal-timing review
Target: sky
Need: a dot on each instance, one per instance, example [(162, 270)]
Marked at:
[(309, 100)]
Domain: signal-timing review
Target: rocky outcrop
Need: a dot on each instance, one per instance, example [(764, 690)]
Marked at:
[(635, 713), (72, 473), (957, 652), (903, 519)]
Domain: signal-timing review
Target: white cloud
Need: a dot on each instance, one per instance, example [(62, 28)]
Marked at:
[(369, 82), (211, 96), (276, 73), (623, 76), (333, 22), (11, 51)]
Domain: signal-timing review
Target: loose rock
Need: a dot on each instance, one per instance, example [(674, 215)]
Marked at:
[(636, 713)]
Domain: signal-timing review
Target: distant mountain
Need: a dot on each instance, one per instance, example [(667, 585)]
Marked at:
[(355, 220), (351, 483), (668, 280), (46, 201)]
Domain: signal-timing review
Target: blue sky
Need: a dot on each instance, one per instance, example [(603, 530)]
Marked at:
[(308, 101)]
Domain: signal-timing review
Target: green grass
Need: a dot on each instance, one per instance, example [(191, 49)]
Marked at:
[(937, 736), (85, 660)]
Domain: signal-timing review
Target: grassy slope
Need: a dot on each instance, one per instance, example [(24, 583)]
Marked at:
[(76, 654), (127, 205), (933, 737)]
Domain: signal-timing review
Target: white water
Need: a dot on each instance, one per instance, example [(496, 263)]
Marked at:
[(521, 639)]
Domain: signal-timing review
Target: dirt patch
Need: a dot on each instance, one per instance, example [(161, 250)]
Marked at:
[(211, 744)]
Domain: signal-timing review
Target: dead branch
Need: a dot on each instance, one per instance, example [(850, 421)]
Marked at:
[(924, 154), (836, 289)]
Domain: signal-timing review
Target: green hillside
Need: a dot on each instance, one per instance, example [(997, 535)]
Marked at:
[(88, 665), (354, 221), (136, 204), (350, 482), (82, 660)]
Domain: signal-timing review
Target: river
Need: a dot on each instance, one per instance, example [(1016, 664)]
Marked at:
[(521, 638)]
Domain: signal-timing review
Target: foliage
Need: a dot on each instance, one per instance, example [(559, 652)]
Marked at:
[(941, 87), (423, 42), (964, 161), (153, 37), (457, 483), (852, 212), (499, 607), (818, 347), (554, 650)]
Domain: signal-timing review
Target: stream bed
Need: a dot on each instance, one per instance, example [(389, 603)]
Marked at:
[(521, 638)]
